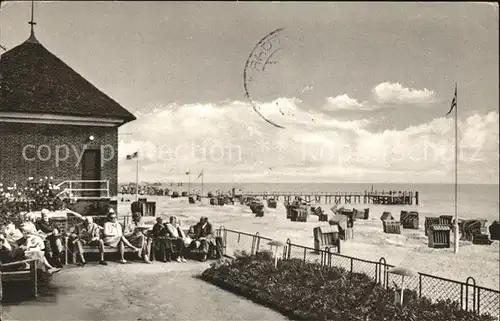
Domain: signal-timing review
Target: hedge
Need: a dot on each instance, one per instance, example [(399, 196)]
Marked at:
[(33, 196), (308, 291)]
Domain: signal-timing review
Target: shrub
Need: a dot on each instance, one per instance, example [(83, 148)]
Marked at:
[(35, 196), (310, 291)]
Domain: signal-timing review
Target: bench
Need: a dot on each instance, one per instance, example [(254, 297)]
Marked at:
[(90, 249), (69, 248), (197, 253), (29, 275)]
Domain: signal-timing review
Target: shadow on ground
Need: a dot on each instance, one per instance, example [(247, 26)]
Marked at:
[(137, 291)]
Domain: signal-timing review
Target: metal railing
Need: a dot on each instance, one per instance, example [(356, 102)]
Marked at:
[(77, 189), (467, 294)]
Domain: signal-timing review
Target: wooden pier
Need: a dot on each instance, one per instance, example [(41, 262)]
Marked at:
[(366, 197)]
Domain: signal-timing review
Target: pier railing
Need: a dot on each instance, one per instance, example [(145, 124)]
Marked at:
[(467, 295), (366, 197)]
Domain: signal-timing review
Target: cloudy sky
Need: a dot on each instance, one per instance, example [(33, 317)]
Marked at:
[(361, 89)]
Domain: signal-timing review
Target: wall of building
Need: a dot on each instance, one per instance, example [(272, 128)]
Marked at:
[(39, 150)]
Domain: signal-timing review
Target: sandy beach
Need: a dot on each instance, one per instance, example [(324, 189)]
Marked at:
[(370, 243)]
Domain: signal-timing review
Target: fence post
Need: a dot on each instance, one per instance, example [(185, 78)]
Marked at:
[(351, 264), (473, 284), (257, 235), (289, 248), (419, 285), (478, 300), (380, 262), (304, 254), (461, 296)]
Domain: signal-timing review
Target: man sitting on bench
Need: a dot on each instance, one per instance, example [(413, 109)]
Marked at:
[(88, 233), (203, 237), (113, 236), (137, 234)]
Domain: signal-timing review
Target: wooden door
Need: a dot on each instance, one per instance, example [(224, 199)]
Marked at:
[(91, 170)]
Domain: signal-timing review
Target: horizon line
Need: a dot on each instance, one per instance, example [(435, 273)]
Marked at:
[(345, 183)]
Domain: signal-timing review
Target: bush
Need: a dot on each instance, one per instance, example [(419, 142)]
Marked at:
[(308, 291), (35, 196)]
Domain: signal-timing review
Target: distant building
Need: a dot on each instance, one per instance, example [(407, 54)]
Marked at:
[(53, 122)]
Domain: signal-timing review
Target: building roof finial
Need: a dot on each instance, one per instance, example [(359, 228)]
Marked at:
[(32, 37)]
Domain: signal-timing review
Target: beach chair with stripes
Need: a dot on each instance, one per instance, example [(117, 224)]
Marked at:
[(326, 236)]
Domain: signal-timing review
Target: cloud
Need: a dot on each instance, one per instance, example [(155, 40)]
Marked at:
[(430, 147), (232, 143), (344, 102), (395, 93)]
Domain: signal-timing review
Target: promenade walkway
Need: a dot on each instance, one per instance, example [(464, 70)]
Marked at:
[(137, 291)]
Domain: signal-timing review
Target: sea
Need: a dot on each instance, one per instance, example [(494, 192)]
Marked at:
[(475, 201)]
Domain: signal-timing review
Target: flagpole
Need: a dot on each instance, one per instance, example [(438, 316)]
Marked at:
[(137, 179), (189, 183), (456, 171)]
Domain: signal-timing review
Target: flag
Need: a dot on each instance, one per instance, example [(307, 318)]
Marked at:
[(132, 156), (453, 102), (201, 174), (187, 173)]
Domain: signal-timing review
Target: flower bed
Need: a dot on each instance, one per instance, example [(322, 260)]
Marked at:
[(307, 291), (34, 196)]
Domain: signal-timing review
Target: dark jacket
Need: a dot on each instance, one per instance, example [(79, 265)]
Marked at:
[(159, 230), (45, 227), (203, 231)]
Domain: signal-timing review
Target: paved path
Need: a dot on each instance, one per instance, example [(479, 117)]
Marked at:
[(137, 291)]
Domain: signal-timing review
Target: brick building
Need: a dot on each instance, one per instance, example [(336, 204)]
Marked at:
[(55, 123)]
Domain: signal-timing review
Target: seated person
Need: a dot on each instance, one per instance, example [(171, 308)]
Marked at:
[(160, 241), (137, 234), (113, 236), (10, 253), (29, 226), (88, 233), (11, 233), (53, 242), (203, 237), (177, 238), (33, 247)]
